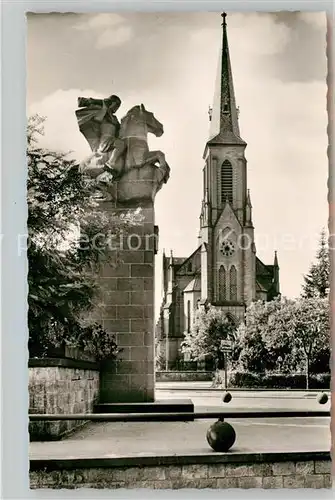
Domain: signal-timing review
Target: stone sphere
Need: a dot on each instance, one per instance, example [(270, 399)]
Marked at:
[(322, 398), (227, 397), (221, 436)]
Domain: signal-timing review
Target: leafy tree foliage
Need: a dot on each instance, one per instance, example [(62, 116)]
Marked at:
[(259, 349), (307, 327), (63, 267), (210, 328), (285, 335), (316, 282)]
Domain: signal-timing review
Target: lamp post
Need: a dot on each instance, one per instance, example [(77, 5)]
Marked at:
[(227, 347)]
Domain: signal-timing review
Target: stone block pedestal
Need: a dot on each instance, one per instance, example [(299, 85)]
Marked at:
[(129, 312)]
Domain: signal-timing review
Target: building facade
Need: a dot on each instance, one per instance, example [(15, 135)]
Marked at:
[(224, 270)]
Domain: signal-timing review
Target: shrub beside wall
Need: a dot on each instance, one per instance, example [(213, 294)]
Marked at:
[(60, 385), (186, 376), (278, 380)]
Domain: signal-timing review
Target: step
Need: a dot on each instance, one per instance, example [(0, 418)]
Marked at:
[(159, 406)]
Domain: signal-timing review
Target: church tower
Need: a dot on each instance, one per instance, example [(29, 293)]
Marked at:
[(223, 270), (228, 254)]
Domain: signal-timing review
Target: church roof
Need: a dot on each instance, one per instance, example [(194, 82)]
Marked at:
[(265, 276), (194, 285), (262, 269), (177, 261), (224, 127)]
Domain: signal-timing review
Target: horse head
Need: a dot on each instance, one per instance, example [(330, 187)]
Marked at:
[(142, 117), (154, 126)]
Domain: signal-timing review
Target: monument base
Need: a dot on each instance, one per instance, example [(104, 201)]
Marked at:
[(159, 406)]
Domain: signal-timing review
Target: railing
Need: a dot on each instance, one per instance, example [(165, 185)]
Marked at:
[(152, 417)]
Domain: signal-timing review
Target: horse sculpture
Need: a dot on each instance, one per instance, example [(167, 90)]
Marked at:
[(129, 171)]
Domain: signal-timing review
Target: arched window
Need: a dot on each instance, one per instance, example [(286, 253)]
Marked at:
[(188, 316), (222, 284), (226, 182), (233, 283)]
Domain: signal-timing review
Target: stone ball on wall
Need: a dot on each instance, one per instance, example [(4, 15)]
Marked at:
[(322, 398), (221, 436), (227, 397)]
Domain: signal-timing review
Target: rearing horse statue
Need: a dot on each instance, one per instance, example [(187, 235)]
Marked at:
[(129, 171)]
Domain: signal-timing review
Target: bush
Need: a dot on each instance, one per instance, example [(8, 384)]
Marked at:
[(244, 379), (180, 365), (96, 341), (278, 380)]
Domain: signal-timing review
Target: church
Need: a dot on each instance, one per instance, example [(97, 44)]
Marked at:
[(223, 270)]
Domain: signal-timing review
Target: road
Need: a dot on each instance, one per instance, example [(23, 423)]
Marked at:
[(205, 399), (115, 439)]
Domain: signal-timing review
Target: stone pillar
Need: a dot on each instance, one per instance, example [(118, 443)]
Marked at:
[(129, 312)]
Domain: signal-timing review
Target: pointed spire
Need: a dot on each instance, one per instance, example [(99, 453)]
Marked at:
[(164, 275), (248, 199), (224, 120), (275, 262), (206, 212), (170, 274), (248, 210)]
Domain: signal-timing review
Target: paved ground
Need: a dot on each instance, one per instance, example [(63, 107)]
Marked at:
[(115, 439)]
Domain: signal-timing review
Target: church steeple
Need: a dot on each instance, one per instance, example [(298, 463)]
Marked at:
[(224, 127), (248, 210)]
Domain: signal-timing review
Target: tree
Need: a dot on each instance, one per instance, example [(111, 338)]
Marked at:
[(259, 349), (210, 328), (316, 282), (285, 334), (306, 324), (63, 267)]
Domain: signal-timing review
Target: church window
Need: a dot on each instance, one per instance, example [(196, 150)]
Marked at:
[(188, 316), (225, 106), (222, 284), (226, 182), (233, 283)]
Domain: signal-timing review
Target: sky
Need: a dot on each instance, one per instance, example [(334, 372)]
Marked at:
[(168, 62)]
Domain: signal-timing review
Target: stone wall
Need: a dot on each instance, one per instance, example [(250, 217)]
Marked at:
[(188, 376), (267, 471), (60, 386)]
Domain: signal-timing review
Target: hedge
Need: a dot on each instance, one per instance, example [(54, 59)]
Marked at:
[(279, 380)]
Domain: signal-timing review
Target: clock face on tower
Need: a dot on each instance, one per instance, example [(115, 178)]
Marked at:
[(227, 248)]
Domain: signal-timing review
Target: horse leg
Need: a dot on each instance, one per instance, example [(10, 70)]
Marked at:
[(116, 162), (154, 156)]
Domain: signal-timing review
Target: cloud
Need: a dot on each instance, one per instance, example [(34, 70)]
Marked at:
[(109, 29), (98, 21), (114, 37), (258, 34)]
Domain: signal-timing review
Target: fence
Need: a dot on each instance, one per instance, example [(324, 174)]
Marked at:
[(156, 417)]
